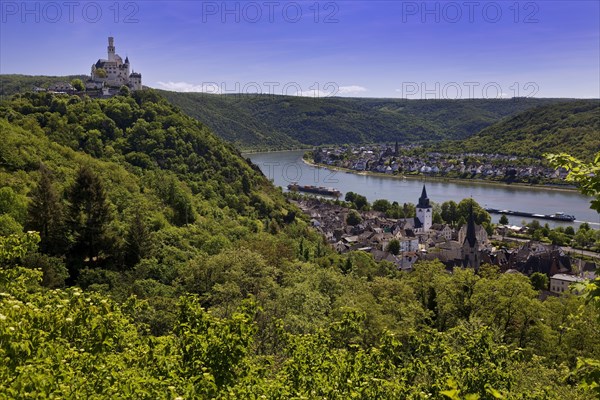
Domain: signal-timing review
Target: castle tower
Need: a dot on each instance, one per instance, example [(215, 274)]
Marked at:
[(470, 247), (424, 211), (111, 49)]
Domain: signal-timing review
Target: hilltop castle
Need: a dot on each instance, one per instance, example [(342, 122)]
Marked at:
[(113, 72)]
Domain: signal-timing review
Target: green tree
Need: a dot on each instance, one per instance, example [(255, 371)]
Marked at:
[(585, 175), (479, 214), (437, 218), (381, 205), (88, 216), (124, 91), (8, 226), (393, 247), (45, 213), (503, 220), (358, 201), (539, 281), (409, 210), (353, 218), (350, 196), (450, 212), (78, 85), (13, 204), (510, 304), (101, 73), (138, 240)]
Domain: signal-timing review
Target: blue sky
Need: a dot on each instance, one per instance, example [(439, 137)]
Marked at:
[(405, 49)]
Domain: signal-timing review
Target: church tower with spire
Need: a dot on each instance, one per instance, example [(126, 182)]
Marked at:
[(424, 211), (470, 247)]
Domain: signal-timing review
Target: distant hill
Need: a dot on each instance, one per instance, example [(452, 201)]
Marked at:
[(266, 122), (252, 121), (572, 127)]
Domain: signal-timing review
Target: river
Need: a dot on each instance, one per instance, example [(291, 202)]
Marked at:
[(287, 166)]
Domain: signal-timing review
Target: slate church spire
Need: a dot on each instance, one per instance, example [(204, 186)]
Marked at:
[(424, 200), (424, 211), (470, 247)]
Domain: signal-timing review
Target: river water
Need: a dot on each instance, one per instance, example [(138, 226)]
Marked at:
[(287, 166)]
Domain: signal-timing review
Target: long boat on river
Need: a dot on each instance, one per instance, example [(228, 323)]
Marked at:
[(315, 189), (558, 216)]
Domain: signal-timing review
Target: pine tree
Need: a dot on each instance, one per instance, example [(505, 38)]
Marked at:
[(138, 240), (45, 214), (88, 217)]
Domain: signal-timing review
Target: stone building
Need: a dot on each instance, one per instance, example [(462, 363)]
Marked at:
[(114, 72)]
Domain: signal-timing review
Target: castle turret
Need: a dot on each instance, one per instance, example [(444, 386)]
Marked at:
[(111, 49), (135, 81), (424, 211)]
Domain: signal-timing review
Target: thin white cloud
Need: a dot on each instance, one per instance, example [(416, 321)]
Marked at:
[(337, 91), (314, 93), (212, 87), (352, 89), (189, 87)]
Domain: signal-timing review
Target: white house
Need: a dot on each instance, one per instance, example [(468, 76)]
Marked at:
[(560, 283)]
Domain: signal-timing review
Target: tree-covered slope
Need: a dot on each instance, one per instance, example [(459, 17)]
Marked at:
[(130, 155), (264, 122), (255, 121), (164, 266), (572, 127), (12, 84)]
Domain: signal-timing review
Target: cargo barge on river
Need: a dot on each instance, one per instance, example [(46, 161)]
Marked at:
[(314, 189), (558, 216)]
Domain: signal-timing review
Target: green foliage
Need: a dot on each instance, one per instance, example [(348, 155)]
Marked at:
[(572, 126), (464, 207), (124, 91), (393, 246), (585, 175), (290, 122), (138, 241), (8, 226), (358, 201), (214, 287), (78, 85), (353, 218), (12, 84), (87, 217), (14, 247), (382, 205), (13, 204), (45, 213), (539, 281), (450, 212)]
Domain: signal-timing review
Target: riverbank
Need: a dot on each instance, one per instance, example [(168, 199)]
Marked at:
[(442, 179), (244, 152)]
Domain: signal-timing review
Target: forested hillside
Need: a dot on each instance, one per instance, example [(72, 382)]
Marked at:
[(142, 257), (13, 84), (266, 122), (572, 127), (283, 121)]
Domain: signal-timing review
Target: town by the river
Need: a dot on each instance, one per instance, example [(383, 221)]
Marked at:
[(286, 167)]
